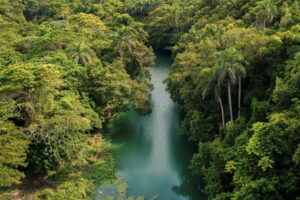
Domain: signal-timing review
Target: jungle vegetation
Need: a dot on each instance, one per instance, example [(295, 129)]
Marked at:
[(236, 74), (67, 67)]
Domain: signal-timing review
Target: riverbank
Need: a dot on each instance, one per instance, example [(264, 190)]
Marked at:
[(73, 184), (97, 180)]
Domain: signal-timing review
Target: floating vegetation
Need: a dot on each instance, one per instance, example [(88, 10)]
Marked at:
[(117, 190)]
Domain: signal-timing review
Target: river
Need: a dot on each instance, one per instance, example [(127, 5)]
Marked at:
[(150, 153)]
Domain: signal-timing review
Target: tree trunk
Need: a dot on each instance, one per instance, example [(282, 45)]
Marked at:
[(229, 100), (240, 96), (120, 50), (222, 111)]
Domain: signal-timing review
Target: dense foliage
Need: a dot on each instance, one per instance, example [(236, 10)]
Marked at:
[(236, 73), (66, 69)]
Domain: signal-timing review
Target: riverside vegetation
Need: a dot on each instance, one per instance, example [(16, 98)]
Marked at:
[(66, 69), (69, 67), (236, 73)]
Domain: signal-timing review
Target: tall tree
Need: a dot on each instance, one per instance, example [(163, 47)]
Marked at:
[(265, 12), (124, 40), (227, 69), (241, 73), (81, 53), (211, 83)]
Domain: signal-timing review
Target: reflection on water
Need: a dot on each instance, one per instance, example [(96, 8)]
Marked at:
[(149, 151)]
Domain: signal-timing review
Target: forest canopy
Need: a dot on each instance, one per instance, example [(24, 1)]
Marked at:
[(236, 75), (67, 68)]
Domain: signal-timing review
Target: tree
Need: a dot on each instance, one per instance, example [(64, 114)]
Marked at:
[(55, 121), (128, 37), (124, 40), (209, 82), (164, 25), (33, 9), (212, 30), (128, 41), (12, 10), (81, 53), (141, 7), (13, 145), (266, 10), (58, 136), (110, 88), (227, 69), (240, 73)]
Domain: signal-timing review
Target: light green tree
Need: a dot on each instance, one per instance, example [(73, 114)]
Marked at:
[(124, 40), (81, 53), (265, 10), (227, 70), (13, 145)]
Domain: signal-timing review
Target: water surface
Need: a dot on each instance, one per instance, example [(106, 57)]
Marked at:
[(150, 153)]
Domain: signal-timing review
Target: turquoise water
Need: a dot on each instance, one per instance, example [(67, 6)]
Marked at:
[(150, 153)]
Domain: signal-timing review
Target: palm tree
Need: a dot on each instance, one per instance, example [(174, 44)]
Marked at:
[(210, 83), (124, 40), (227, 69), (265, 10), (240, 73), (218, 90), (81, 53), (212, 30)]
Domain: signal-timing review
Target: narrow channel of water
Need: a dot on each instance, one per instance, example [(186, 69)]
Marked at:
[(150, 153)]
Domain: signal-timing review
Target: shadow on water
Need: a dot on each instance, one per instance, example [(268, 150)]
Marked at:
[(150, 152)]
